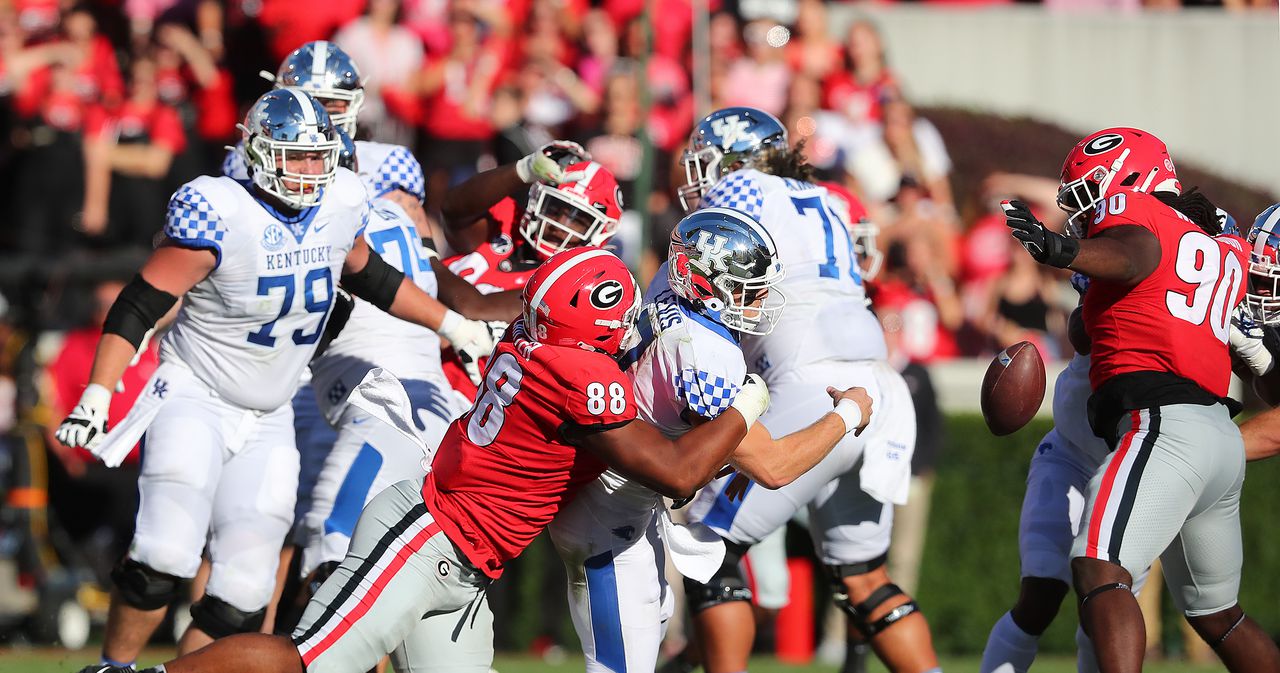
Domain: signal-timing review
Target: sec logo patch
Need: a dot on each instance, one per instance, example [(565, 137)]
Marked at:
[(273, 237)]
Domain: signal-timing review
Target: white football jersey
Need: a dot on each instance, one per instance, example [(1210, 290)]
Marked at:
[(374, 338), (684, 364), (381, 168), (249, 328), (826, 317)]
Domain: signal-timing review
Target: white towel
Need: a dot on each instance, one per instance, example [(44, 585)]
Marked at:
[(696, 550), (886, 459), (381, 395), (167, 380)]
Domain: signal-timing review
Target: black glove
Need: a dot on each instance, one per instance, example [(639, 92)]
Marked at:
[(1047, 247)]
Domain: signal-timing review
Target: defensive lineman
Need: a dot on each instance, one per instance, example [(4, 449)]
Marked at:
[(826, 333), (720, 282), (1157, 314), (256, 262)]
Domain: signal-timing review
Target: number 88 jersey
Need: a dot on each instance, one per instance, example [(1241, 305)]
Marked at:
[(1177, 319), (248, 329), (506, 467)]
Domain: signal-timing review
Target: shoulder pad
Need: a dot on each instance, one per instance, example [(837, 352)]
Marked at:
[(741, 190)]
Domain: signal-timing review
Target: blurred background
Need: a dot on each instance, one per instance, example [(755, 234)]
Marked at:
[(929, 112)]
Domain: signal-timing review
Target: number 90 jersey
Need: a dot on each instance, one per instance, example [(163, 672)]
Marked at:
[(1177, 319), (248, 329), (826, 317), (506, 467)]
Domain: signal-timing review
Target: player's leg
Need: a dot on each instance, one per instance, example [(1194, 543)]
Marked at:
[(451, 642), (1137, 502), (1202, 565), (1051, 510), (182, 461), (252, 516), (615, 583), (399, 568)]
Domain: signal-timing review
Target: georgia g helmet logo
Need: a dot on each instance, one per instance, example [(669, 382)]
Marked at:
[(731, 129), (1103, 144), (606, 295)]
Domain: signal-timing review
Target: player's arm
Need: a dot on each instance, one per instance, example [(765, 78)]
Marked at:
[(465, 205), (677, 468), (1122, 253), (169, 273), (1262, 435), (371, 278), (774, 463), (464, 298)]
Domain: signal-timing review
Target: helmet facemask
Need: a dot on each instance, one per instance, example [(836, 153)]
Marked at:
[(701, 172), (863, 235), (1262, 297), (270, 162), (1079, 197), (345, 120), (556, 220)]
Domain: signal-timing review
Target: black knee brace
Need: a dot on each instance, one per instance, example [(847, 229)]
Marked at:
[(860, 614), (1102, 590), (144, 588), (725, 586), (219, 619)]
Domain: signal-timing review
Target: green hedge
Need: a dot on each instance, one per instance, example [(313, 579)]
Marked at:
[(970, 570)]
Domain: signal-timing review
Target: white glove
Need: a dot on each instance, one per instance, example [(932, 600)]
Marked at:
[(1246, 342), (87, 423), (752, 399), (471, 340), (544, 164)]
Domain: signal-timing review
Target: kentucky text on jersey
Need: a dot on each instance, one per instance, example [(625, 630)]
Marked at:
[(283, 261)]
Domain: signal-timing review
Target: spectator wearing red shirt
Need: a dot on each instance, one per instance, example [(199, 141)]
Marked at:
[(190, 79), (86, 55), (86, 495), (812, 52), (291, 23), (916, 301), (866, 81), (456, 91), (128, 152)]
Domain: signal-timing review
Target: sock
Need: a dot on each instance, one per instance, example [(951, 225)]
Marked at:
[(107, 661), (1009, 648), (855, 656)]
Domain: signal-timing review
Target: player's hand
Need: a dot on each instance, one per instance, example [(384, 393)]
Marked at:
[(471, 340), (853, 406), (752, 399), (546, 164), (1045, 245), (1247, 344), (736, 489), (87, 423)]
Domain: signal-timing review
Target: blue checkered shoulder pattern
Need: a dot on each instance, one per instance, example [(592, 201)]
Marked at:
[(193, 222), (400, 170), (233, 165), (707, 395), (738, 191)]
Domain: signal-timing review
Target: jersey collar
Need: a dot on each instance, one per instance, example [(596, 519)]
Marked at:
[(297, 222), (710, 323)]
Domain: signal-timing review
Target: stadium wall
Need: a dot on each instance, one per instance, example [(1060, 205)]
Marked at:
[(1204, 81)]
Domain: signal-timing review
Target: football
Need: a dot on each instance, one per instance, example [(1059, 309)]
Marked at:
[(1013, 388)]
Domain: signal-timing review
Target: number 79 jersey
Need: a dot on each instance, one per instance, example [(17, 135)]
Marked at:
[(826, 317), (250, 327), (1177, 319)]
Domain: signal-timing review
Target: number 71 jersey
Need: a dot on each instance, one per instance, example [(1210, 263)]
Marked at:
[(1178, 318), (250, 327)]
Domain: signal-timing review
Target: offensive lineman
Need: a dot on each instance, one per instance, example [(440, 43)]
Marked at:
[(1157, 314), (256, 261), (719, 283), (553, 409)]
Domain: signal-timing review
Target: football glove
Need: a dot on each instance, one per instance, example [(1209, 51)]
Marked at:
[(471, 340), (1046, 246), (547, 163), (1246, 341), (87, 423), (752, 399)]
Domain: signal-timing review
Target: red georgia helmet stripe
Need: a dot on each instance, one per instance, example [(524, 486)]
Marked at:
[(555, 275)]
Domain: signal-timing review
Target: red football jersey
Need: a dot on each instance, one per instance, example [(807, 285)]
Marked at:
[(491, 268), (505, 467), (1175, 320)]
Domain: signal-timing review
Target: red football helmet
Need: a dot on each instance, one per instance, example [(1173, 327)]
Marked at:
[(584, 298), (1111, 160), (572, 214)]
